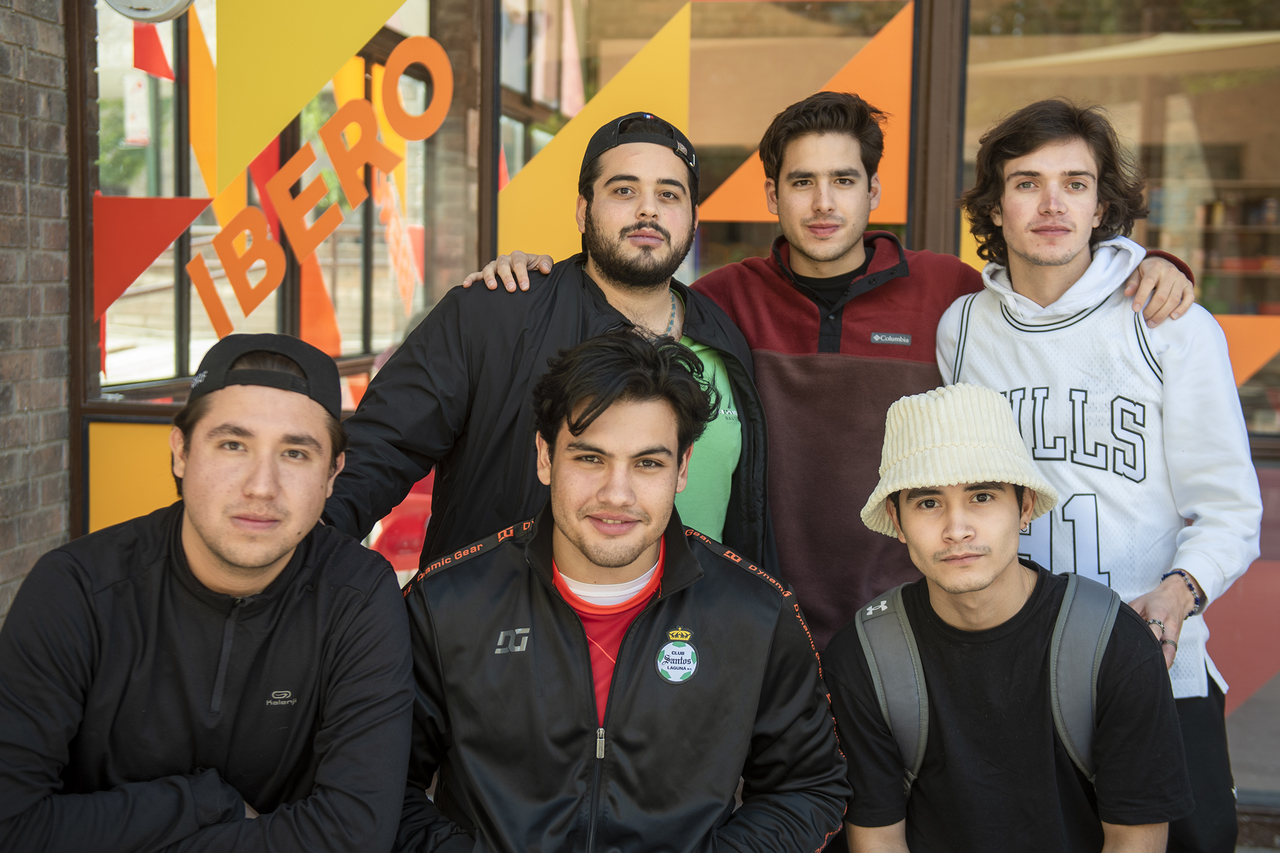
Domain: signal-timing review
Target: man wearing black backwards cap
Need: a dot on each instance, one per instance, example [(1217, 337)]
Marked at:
[(455, 395), (222, 674)]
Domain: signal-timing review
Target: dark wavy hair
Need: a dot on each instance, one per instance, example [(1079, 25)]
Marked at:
[(825, 112), (1119, 182), (623, 366), (190, 414)]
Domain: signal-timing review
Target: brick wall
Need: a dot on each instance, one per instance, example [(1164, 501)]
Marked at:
[(33, 288)]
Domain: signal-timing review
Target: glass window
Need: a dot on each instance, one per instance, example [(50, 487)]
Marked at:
[(748, 60), (362, 288)]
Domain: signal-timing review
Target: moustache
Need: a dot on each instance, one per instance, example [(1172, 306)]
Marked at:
[(640, 226)]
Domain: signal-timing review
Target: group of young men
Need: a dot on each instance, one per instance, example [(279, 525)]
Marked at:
[(579, 664)]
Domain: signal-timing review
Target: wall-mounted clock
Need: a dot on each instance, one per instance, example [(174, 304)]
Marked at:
[(150, 11)]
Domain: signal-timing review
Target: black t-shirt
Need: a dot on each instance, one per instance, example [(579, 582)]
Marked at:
[(828, 292), (995, 775)]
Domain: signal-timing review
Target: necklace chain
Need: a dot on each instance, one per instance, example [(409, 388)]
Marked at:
[(671, 324)]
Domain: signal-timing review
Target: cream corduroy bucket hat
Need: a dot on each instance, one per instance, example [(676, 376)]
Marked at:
[(952, 435)]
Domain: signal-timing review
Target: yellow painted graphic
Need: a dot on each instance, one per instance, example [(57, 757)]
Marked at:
[(203, 124), (129, 472), (880, 73), (536, 209), (272, 59)]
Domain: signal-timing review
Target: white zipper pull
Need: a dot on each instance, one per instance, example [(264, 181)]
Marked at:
[(599, 743)]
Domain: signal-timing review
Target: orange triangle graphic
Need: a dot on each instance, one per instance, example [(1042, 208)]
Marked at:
[(128, 235), (1252, 340), (880, 73)]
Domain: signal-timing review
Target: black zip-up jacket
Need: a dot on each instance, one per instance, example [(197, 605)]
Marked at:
[(456, 396), (505, 709), (139, 711)]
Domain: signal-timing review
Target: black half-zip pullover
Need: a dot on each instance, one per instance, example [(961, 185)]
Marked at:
[(139, 710)]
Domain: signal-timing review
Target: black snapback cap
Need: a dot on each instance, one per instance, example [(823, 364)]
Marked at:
[(612, 135), (320, 384)]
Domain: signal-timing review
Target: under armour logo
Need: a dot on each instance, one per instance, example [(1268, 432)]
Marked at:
[(507, 641), (883, 605)]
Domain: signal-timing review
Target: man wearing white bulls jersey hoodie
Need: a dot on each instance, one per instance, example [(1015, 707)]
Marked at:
[(1139, 429)]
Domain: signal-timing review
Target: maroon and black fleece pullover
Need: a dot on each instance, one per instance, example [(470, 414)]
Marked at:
[(827, 380)]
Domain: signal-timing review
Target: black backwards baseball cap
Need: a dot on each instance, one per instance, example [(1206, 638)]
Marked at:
[(612, 135), (321, 383)]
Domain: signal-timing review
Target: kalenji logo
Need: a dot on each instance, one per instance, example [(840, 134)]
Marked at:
[(282, 697)]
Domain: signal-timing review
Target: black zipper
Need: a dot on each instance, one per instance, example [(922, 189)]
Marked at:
[(608, 708)]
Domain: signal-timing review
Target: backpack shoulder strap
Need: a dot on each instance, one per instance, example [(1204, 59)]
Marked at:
[(1080, 637), (894, 661)]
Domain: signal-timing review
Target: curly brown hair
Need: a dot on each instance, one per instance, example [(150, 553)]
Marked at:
[(1120, 184), (825, 112)]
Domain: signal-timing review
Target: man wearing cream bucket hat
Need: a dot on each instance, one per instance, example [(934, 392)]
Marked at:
[(972, 683)]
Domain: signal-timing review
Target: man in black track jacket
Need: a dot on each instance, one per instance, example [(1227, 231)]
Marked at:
[(223, 674), (599, 678), (455, 396)]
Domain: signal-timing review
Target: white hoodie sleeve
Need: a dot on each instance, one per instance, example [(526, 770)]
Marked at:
[(1211, 470)]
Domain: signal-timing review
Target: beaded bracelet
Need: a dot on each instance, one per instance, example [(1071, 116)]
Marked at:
[(1186, 578)]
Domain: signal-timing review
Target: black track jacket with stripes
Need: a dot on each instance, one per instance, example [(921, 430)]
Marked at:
[(505, 709)]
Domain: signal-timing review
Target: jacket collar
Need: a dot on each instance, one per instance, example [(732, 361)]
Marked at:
[(888, 261), (679, 570), (605, 318)]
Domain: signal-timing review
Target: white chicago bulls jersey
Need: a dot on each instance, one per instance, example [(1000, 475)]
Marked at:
[(1139, 430)]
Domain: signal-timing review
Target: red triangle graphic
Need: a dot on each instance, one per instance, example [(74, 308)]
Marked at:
[(148, 53), (128, 235)]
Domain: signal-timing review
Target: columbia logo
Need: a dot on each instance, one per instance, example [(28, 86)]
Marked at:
[(891, 338)]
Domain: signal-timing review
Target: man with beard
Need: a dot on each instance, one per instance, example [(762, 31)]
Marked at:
[(455, 396)]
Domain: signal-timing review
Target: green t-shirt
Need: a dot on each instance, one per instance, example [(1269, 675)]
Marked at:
[(705, 500)]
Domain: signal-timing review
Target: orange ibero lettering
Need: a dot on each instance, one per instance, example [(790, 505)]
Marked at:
[(427, 52), (260, 248), (293, 209), (199, 272), (347, 159)]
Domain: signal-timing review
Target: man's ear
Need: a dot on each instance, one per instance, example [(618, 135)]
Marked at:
[(997, 218), (544, 459), (771, 195), (682, 475), (1028, 506), (1097, 216), (339, 463), (875, 191), (178, 452), (581, 215), (892, 509)]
